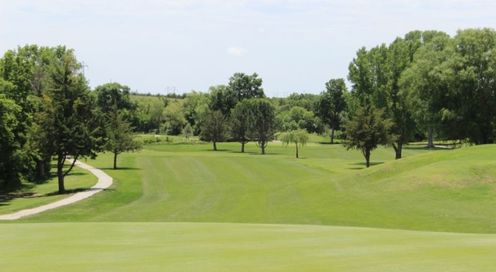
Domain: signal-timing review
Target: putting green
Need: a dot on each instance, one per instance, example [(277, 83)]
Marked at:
[(237, 247)]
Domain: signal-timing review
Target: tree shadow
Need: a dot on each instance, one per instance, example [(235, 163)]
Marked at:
[(219, 150), (363, 165), (442, 147), (266, 154), (246, 152), (67, 192), (76, 174), (8, 196), (119, 168)]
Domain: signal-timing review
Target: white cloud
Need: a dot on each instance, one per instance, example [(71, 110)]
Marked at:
[(236, 51)]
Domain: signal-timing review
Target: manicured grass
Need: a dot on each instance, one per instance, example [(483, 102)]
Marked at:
[(442, 190), (33, 195), (237, 247)]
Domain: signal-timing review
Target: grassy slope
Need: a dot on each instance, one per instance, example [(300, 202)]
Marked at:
[(442, 190), (33, 195), (237, 247)]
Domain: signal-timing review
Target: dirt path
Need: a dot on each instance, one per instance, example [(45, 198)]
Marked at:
[(104, 181)]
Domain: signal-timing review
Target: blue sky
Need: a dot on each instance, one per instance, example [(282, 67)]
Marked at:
[(161, 46)]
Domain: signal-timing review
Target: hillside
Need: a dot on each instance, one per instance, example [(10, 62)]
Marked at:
[(440, 190)]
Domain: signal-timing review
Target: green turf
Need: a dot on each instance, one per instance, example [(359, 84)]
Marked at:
[(33, 195), (237, 247), (439, 190)]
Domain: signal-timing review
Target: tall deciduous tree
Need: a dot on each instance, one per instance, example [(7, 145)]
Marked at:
[(403, 124), (115, 106), (213, 127), (222, 99), (470, 111), (241, 117), (9, 146), (241, 86), (263, 126), (245, 86), (25, 69), (425, 83), (366, 130), (111, 95), (119, 134), (331, 104)]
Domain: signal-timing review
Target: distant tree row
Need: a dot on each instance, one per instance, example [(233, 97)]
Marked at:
[(423, 86)]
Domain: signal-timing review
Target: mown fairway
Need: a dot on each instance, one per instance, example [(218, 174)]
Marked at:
[(237, 247), (442, 190)]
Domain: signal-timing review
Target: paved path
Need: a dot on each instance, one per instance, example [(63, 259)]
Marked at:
[(104, 181)]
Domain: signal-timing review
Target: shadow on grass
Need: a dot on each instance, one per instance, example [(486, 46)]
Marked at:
[(76, 174), (119, 168), (363, 165), (220, 150), (329, 143), (6, 197), (246, 152), (67, 192), (76, 190), (444, 147), (266, 154)]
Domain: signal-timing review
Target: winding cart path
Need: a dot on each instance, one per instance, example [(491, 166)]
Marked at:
[(104, 182)]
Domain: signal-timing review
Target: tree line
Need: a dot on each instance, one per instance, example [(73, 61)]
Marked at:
[(51, 118), (425, 85)]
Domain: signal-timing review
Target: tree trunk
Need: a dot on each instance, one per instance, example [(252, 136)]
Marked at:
[(60, 173), (215, 145), (41, 170), (367, 157), (332, 135), (242, 147), (297, 151), (398, 148), (263, 148), (430, 137), (115, 160)]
